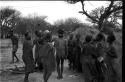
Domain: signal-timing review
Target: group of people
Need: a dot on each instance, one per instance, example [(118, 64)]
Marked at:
[(94, 57), (43, 53)]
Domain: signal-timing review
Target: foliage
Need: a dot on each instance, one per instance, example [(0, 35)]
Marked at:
[(74, 1), (112, 19), (84, 30), (69, 24), (9, 17), (8, 20), (31, 24), (113, 6)]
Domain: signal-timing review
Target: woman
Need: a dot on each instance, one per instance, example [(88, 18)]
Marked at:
[(46, 55), (28, 56), (37, 42), (87, 59), (101, 53)]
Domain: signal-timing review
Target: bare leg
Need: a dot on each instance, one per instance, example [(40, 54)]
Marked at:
[(58, 67), (61, 73), (46, 75), (26, 77), (14, 54), (12, 58)]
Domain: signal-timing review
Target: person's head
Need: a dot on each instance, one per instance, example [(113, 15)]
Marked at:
[(100, 37), (88, 38), (38, 33), (111, 39), (71, 36), (60, 33), (77, 37), (47, 36), (27, 36)]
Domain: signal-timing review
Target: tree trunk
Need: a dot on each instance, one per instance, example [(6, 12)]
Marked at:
[(100, 25)]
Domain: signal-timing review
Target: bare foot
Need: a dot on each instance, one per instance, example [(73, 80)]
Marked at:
[(61, 77), (58, 77), (26, 80)]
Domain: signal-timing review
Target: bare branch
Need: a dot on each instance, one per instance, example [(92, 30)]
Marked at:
[(110, 6), (85, 12), (107, 10), (115, 9)]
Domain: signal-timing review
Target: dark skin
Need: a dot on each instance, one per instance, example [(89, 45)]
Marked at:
[(14, 55), (14, 51), (70, 52), (27, 37), (78, 64), (60, 62), (26, 77), (38, 35), (59, 68), (47, 73)]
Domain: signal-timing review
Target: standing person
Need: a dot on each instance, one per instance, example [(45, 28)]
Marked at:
[(87, 59), (47, 56), (37, 41), (28, 56), (70, 51), (14, 40), (61, 53), (101, 47), (111, 55), (77, 53)]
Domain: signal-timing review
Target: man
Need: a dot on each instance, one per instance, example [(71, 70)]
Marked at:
[(61, 53), (14, 40)]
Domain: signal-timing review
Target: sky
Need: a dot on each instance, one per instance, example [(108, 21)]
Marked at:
[(54, 10)]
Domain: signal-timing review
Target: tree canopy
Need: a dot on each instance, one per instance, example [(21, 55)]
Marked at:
[(9, 17), (69, 24), (103, 14)]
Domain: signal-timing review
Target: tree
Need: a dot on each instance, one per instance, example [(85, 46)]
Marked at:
[(69, 24), (112, 19), (21, 27), (113, 6), (31, 24), (8, 19)]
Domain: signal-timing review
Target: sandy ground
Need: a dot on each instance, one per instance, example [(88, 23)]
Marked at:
[(6, 76)]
